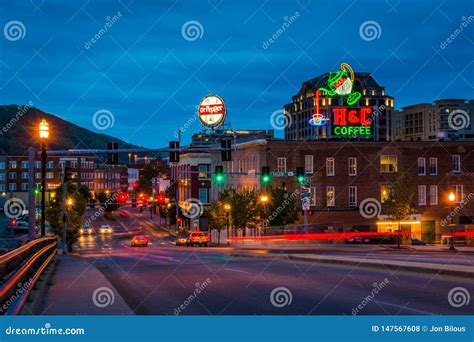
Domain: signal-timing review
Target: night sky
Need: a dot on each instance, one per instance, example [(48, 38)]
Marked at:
[(150, 73)]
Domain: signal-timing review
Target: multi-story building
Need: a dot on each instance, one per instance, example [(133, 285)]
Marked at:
[(374, 105), (213, 137), (343, 177), (448, 119), (17, 176), (110, 178), (3, 174)]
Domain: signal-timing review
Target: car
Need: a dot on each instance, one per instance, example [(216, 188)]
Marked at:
[(198, 238), (417, 242), (358, 239), (124, 213), (105, 229), (139, 240), (181, 241), (86, 230)]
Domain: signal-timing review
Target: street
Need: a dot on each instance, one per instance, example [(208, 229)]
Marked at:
[(160, 278)]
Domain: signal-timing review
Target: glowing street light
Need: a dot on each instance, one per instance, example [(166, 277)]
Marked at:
[(451, 197), (69, 202), (44, 129), (264, 198)]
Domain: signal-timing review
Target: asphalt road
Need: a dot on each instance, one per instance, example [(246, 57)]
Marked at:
[(163, 279)]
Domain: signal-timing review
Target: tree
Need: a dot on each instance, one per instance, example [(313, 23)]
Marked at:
[(399, 204), (244, 206), (147, 173), (216, 218), (74, 211), (282, 208)]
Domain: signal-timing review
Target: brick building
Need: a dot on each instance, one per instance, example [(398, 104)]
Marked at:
[(342, 175)]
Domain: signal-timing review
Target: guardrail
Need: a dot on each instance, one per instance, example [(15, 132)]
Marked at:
[(20, 269)]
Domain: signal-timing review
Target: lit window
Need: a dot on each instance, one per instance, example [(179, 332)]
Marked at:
[(329, 166), (384, 193), (352, 196), (12, 164), (458, 189), (330, 196), (203, 172), (281, 165), (388, 164), (433, 194), (352, 166), (421, 194), (308, 164), (421, 166)]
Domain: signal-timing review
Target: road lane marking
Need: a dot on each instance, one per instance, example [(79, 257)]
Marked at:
[(234, 270)]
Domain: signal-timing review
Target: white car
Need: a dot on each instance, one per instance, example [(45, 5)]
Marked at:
[(105, 229), (87, 230)]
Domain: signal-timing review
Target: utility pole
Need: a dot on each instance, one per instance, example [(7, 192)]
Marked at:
[(31, 194), (63, 201)]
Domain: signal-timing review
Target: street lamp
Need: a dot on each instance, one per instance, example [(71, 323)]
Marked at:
[(69, 202), (264, 201), (227, 214), (44, 136), (452, 198)]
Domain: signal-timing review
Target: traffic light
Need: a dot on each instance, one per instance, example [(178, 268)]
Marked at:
[(161, 199), (123, 198), (300, 175), (226, 154), (174, 155), (112, 158), (219, 175), (265, 177)]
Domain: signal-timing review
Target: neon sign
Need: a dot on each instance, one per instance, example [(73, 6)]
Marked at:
[(341, 83), (212, 111), (318, 119), (351, 121)]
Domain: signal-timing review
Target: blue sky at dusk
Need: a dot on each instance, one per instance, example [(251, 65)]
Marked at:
[(151, 78)]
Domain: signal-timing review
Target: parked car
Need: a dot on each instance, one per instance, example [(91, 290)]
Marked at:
[(417, 242), (198, 238), (358, 239), (105, 229), (139, 241)]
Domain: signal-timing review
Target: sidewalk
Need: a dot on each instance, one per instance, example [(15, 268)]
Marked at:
[(79, 288)]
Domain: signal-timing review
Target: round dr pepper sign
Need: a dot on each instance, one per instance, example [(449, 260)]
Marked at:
[(212, 111)]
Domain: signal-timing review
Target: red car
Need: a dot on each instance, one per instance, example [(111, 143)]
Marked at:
[(139, 241)]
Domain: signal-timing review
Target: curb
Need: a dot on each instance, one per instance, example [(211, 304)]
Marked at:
[(428, 268)]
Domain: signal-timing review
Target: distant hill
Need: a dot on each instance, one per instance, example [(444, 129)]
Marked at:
[(19, 131)]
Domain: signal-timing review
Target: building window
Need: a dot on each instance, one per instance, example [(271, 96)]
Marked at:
[(458, 190), (2, 187), (352, 196), (384, 193), (49, 175), (421, 194), (281, 165), (312, 201), (24, 175), (24, 164), (433, 194), (433, 166), (12, 186), (12, 164), (2, 165), (388, 163), (421, 166), (12, 175), (330, 196), (329, 166), (37, 175), (352, 166), (49, 165), (203, 172), (203, 195), (37, 165), (2, 176), (308, 164), (456, 163), (24, 186)]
